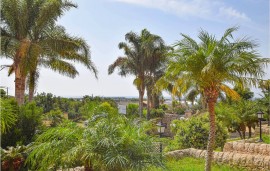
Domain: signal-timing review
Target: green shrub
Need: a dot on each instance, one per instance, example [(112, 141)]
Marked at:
[(193, 133), (179, 110), (132, 109), (23, 131), (164, 107), (155, 113)]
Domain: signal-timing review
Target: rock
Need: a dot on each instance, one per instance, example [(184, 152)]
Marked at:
[(257, 148), (258, 161), (198, 153), (266, 162), (263, 149), (225, 157), (251, 148), (228, 147), (202, 155), (249, 161), (220, 156), (246, 147), (236, 160), (192, 152)]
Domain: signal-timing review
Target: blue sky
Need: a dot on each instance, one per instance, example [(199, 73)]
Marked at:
[(104, 23)]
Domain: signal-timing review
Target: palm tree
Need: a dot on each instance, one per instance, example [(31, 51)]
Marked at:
[(56, 58), (210, 65), (156, 64), (137, 50), (28, 33)]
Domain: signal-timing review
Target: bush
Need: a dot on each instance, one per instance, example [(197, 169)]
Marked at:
[(179, 110), (23, 131), (193, 133), (132, 109), (155, 113), (164, 107)]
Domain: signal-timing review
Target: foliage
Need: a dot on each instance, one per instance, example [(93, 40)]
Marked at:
[(164, 107), (3, 93), (193, 133), (55, 116), (132, 110), (23, 131), (238, 116), (9, 110), (109, 142), (154, 113), (13, 158)]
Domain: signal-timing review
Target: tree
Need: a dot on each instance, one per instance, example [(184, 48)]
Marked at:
[(210, 65), (137, 50), (30, 38)]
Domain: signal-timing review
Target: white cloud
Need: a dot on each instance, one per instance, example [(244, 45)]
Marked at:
[(207, 9), (231, 13)]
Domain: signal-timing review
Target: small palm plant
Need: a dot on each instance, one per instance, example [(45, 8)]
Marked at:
[(13, 158), (110, 142)]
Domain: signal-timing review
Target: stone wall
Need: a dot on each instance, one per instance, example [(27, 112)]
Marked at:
[(247, 148), (256, 158)]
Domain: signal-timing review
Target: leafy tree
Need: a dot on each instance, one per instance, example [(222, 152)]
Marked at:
[(209, 65)]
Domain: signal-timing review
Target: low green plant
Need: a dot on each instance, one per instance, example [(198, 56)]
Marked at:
[(13, 158), (157, 113), (27, 124), (132, 109), (193, 133), (110, 142)]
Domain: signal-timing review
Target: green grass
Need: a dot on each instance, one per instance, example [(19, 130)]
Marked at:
[(266, 138), (192, 164)]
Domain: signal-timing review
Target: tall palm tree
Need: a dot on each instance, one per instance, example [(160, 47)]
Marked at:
[(28, 32), (137, 50), (211, 64), (156, 64)]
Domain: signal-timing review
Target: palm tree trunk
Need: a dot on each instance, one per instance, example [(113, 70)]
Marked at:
[(211, 95), (148, 103), (141, 93), (88, 166), (31, 93), (155, 101), (212, 132), (31, 85), (19, 85)]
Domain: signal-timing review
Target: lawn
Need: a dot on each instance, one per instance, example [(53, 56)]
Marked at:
[(192, 164)]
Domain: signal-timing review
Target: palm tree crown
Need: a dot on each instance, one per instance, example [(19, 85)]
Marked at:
[(30, 37)]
